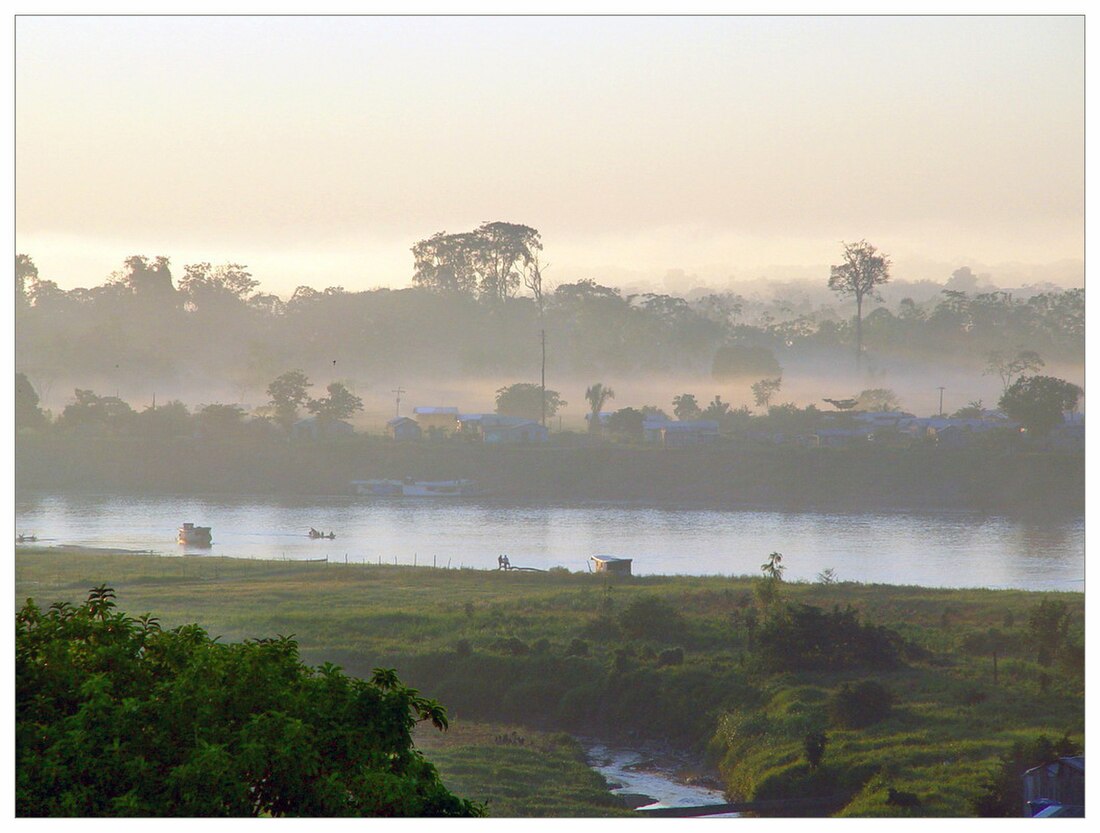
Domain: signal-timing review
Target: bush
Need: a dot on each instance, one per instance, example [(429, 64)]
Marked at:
[(864, 704), (117, 717), (806, 638), (649, 617)]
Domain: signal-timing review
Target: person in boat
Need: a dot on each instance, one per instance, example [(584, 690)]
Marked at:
[(314, 533), (506, 564), (500, 562)]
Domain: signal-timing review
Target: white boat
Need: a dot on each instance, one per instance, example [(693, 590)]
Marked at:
[(414, 488), (195, 536)]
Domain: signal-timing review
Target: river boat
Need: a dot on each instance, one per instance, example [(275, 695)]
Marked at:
[(316, 533), (414, 488), (195, 536)]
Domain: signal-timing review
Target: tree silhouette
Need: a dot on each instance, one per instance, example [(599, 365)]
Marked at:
[(288, 393), (863, 269), (597, 395), (1039, 402)]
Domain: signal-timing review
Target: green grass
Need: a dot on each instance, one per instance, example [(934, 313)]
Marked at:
[(493, 648)]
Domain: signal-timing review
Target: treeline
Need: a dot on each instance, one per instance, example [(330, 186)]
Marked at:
[(479, 311)]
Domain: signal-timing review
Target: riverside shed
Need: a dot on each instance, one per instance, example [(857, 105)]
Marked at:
[(610, 564)]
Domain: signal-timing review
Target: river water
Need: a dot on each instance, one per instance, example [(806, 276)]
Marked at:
[(930, 549)]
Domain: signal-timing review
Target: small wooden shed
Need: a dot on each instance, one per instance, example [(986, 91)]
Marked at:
[(610, 564)]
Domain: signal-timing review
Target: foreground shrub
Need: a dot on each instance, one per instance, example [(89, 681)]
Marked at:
[(117, 717)]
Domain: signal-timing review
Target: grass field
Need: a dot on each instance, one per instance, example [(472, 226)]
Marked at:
[(558, 651)]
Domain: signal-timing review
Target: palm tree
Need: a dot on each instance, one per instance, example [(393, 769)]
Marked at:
[(597, 395)]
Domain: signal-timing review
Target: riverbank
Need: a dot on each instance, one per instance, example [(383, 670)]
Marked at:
[(655, 659), (729, 475)]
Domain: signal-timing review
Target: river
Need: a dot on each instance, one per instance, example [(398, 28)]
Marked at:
[(932, 549)]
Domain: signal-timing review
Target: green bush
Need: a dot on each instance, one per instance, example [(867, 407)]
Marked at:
[(865, 703), (117, 717), (650, 617), (807, 638)]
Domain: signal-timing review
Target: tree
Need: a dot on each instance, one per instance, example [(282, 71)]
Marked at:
[(716, 410), (772, 568), (877, 399), (25, 271), (863, 269), (218, 420), (116, 716), (627, 422), (596, 395), (288, 393), (504, 247), (972, 410), (1039, 403), (27, 412), (1008, 368), (764, 390), (339, 404), (685, 407), (96, 414), (207, 286), (524, 399)]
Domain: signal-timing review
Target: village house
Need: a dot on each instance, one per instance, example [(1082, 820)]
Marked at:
[(403, 428), (495, 429), (1061, 782), (436, 419)]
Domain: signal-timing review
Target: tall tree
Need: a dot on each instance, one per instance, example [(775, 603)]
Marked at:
[(863, 269), (504, 249), (597, 395), (288, 393)]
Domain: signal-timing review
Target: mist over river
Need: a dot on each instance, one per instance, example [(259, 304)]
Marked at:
[(933, 549)]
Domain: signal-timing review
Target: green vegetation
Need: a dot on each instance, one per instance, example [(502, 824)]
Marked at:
[(116, 716), (520, 772), (683, 660)]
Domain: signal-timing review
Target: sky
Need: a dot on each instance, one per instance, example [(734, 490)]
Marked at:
[(669, 150)]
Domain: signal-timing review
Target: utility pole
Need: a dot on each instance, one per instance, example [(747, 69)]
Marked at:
[(941, 400), (542, 334), (398, 390)]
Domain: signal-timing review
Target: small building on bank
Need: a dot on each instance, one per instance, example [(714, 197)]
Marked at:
[(611, 565)]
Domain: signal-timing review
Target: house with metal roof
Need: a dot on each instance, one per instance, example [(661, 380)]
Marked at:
[(438, 418)]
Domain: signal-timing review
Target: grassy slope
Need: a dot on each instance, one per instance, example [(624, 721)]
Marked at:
[(950, 723)]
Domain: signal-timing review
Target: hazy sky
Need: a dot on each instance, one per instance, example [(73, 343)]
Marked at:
[(318, 150)]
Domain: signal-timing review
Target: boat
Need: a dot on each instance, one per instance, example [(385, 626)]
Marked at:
[(414, 488), (316, 533), (195, 536), (25, 539)]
